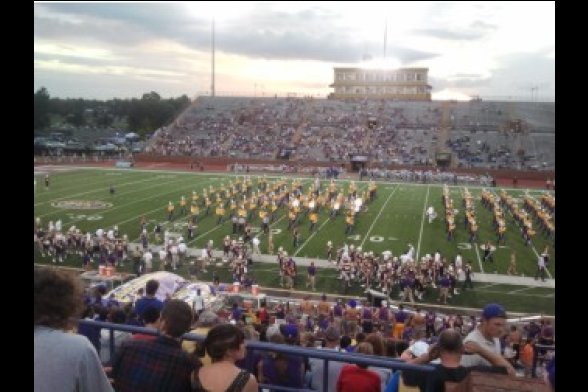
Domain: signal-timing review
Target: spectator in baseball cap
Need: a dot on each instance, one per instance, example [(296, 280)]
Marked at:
[(487, 335)]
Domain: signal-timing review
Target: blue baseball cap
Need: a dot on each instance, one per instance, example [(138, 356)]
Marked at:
[(493, 310)]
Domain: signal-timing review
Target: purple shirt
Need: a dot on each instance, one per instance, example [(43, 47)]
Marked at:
[(311, 270)]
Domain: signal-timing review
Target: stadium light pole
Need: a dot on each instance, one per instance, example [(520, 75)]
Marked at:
[(213, 49)]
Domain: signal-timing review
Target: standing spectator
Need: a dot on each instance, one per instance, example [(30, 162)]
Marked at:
[(158, 365), (148, 261), (149, 299), (198, 304), (487, 335), (449, 350), (62, 361)]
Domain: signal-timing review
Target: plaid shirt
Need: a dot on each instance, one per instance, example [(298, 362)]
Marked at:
[(158, 365)]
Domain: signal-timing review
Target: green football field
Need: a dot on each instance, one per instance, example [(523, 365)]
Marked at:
[(392, 221)]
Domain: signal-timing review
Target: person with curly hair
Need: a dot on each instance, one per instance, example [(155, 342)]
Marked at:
[(63, 361)]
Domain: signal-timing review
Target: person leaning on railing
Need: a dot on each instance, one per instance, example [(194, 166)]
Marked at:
[(449, 351)]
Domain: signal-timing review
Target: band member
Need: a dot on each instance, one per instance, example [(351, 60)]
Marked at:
[(350, 221), (170, 211), (313, 217), (183, 205)]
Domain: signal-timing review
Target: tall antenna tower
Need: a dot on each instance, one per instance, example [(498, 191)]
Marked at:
[(212, 82), (385, 37)]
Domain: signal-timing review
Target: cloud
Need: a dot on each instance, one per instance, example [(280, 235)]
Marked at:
[(454, 35)]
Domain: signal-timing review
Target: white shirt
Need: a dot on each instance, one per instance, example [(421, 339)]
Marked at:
[(148, 257), (198, 302), (458, 262), (182, 247), (541, 262), (162, 254), (256, 241), (475, 359)]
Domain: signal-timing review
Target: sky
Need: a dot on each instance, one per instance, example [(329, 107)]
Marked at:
[(108, 50)]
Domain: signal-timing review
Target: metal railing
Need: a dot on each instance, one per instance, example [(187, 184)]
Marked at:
[(325, 355)]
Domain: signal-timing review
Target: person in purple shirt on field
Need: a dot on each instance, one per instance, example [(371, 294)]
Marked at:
[(311, 276)]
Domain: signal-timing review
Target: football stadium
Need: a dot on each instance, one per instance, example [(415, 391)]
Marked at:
[(368, 236)]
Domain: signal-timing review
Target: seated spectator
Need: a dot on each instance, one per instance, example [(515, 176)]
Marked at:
[(115, 316), (357, 377), (317, 365), (281, 369), (160, 364), (206, 321), (90, 331), (449, 350), (62, 361), (550, 374), (225, 344)]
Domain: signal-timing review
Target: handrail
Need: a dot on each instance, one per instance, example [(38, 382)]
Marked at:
[(326, 355)]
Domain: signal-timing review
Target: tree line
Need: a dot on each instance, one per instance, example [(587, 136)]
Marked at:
[(143, 115)]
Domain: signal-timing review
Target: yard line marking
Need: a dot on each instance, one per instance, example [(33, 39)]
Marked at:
[(122, 194), (518, 294), (377, 216), (537, 254), (422, 223), (228, 220), (151, 196), (58, 189), (475, 244), (488, 285), (324, 223), (312, 235), (92, 191), (145, 213), (532, 246), (519, 290)]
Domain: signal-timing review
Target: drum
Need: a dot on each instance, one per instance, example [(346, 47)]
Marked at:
[(236, 286), (102, 270), (255, 289)]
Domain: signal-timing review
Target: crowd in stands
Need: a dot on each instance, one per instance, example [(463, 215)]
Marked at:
[(386, 132), (453, 345)]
